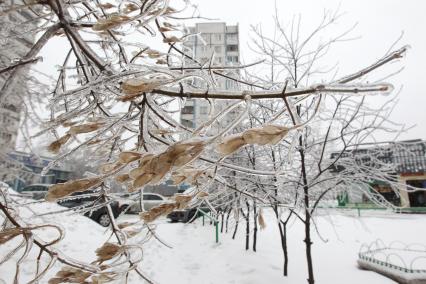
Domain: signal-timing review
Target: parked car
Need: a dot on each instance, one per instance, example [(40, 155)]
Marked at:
[(99, 215), (149, 200), (35, 191), (186, 215)]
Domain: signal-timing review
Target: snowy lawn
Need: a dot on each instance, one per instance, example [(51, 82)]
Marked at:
[(196, 258)]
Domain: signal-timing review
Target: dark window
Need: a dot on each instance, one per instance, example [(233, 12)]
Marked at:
[(232, 47), (151, 197)]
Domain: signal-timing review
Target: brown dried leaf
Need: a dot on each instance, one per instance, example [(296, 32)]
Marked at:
[(178, 178), (55, 146), (107, 251), (165, 29), (188, 155), (171, 39), (142, 181), (202, 194), (167, 24), (110, 167), (122, 178), (60, 190), (112, 22), (231, 144), (139, 85), (69, 123), (85, 128), (152, 53), (128, 156), (130, 7), (161, 62), (155, 212), (267, 135), (182, 200), (159, 166), (106, 6), (70, 275), (261, 220), (8, 234)]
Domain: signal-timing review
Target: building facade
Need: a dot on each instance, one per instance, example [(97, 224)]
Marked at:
[(216, 44), (25, 169), (12, 48), (408, 158)]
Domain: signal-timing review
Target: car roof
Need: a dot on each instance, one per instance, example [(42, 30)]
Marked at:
[(39, 184)]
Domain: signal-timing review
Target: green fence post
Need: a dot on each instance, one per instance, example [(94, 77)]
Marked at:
[(203, 219), (359, 212)]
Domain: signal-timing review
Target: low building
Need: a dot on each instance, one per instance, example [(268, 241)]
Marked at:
[(408, 161), (24, 169)]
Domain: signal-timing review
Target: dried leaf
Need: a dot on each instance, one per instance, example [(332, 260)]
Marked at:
[(70, 275), (60, 190), (161, 62), (107, 251), (106, 6), (55, 146), (8, 234), (112, 22), (142, 181), (165, 29), (152, 53), (85, 128), (155, 212), (261, 220), (202, 194), (130, 7), (171, 39), (182, 200), (267, 135), (122, 178), (110, 167), (231, 144), (138, 86), (128, 156)]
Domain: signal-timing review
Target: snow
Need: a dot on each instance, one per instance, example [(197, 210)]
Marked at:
[(196, 258)]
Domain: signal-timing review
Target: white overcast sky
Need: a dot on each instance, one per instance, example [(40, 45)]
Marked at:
[(380, 23)]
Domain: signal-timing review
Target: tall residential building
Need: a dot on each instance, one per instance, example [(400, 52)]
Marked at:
[(216, 43), (16, 38)]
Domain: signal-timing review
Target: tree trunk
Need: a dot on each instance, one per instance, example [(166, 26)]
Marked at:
[(227, 219), (222, 214), (308, 241), (255, 226), (237, 220), (247, 217)]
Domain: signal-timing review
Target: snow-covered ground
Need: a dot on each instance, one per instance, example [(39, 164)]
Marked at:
[(196, 258)]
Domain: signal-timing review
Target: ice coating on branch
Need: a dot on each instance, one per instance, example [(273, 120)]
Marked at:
[(353, 89)]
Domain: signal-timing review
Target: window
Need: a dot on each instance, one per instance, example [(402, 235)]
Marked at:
[(232, 59), (217, 49), (218, 37), (151, 197), (232, 47), (232, 36), (187, 123), (187, 110), (204, 110)]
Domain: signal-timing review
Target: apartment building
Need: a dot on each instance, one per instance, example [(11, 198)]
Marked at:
[(216, 44), (16, 38)]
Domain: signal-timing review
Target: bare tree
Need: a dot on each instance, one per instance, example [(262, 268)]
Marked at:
[(116, 97)]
